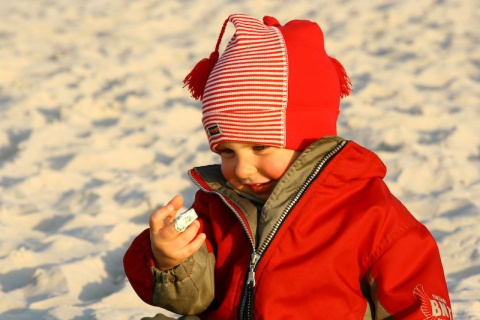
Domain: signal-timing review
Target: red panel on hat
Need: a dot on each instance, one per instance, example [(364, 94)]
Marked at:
[(313, 87)]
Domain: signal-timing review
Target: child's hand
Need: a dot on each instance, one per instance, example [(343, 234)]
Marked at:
[(170, 247)]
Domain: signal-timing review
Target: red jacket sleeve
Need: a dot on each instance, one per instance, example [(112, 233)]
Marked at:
[(138, 261), (408, 278)]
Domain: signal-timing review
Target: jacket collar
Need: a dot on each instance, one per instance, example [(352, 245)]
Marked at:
[(211, 179)]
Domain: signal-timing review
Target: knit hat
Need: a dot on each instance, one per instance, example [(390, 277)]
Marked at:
[(274, 85)]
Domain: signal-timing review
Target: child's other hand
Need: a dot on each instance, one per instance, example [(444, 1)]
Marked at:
[(170, 247)]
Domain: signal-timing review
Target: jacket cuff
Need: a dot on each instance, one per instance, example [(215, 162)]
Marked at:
[(188, 288), (176, 274)]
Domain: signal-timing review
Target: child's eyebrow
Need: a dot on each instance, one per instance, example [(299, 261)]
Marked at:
[(224, 148)]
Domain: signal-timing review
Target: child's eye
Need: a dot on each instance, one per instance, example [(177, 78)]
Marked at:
[(259, 148), (226, 151)]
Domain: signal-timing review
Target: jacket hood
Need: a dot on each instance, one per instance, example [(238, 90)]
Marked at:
[(358, 163)]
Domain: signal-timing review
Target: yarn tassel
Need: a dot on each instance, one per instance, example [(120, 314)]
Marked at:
[(345, 83), (196, 80)]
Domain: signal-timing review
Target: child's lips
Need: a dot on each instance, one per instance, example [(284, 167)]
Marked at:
[(261, 187)]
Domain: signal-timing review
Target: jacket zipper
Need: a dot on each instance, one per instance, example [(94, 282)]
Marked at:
[(254, 257), (228, 205), (257, 256), (247, 295)]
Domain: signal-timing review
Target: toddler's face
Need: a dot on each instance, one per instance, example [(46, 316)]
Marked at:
[(254, 169)]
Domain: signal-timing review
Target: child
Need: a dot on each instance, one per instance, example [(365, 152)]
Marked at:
[(296, 223)]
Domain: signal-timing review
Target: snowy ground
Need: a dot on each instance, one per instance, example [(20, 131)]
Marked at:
[(96, 131)]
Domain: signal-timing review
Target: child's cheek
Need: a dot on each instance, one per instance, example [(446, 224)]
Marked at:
[(276, 169), (228, 170)]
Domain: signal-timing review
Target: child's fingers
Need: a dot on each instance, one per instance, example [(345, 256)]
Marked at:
[(165, 261), (169, 233), (192, 247), (172, 240), (177, 202), (195, 244), (171, 247), (184, 238), (158, 218)]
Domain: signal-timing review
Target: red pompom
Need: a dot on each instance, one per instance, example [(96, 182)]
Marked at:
[(196, 80), (345, 83)]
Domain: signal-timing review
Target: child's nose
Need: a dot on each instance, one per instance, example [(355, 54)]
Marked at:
[(244, 169)]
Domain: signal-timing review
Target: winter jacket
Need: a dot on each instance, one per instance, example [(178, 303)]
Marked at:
[(331, 242)]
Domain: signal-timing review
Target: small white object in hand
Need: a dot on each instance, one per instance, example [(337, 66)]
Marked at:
[(183, 220)]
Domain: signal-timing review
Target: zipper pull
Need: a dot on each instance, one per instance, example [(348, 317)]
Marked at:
[(251, 272)]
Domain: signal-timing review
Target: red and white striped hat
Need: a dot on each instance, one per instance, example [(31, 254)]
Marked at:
[(274, 85)]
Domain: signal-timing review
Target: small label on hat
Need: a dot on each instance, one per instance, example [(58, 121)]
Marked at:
[(214, 130)]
